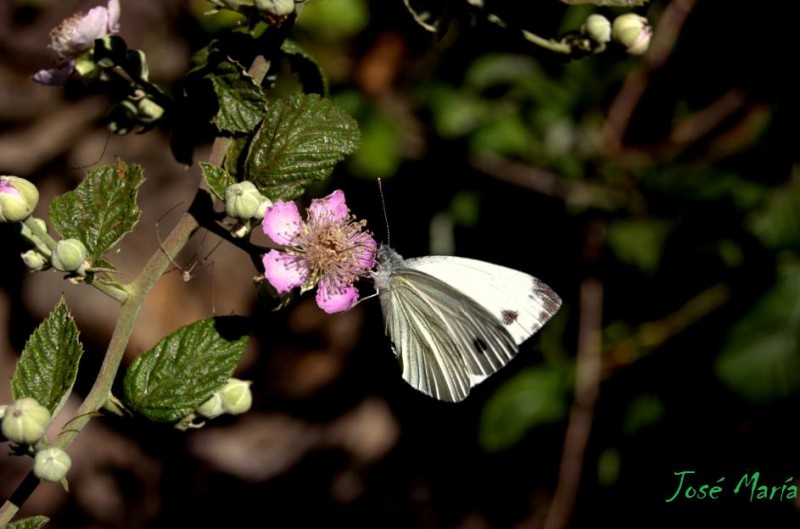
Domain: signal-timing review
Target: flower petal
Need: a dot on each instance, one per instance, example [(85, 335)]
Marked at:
[(368, 247), (113, 16), (285, 271), (282, 223), (92, 26), (331, 207), (336, 298), (55, 76)]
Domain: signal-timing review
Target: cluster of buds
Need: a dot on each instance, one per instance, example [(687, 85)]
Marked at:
[(244, 202), (274, 10), (631, 31), (25, 422), (233, 398)]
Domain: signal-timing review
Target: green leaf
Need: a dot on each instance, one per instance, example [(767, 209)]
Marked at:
[(101, 210), (170, 380), (533, 397), (48, 365), (241, 101), (297, 144), (761, 357), (638, 242), (33, 522), (311, 75), (216, 178)]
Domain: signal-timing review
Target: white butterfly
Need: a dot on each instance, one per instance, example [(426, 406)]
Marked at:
[(454, 321)]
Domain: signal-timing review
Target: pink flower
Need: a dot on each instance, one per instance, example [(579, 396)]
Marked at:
[(76, 35), (330, 249)]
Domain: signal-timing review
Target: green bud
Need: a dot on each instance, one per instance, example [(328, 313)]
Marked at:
[(242, 200), (18, 198), (236, 396), (25, 421), (51, 464), (598, 28), (34, 260), (212, 407), (70, 256), (280, 8), (149, 110), (633, 32)]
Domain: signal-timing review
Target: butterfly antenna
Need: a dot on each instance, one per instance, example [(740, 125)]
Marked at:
[(385, 215)]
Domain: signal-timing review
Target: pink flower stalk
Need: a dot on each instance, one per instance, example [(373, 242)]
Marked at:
[(330, 249), (76, 35)]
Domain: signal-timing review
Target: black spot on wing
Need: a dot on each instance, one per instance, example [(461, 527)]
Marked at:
[(479, 345), (509, 316)]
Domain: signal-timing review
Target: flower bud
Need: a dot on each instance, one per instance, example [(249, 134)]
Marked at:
[(18, 198), (25, 421), (69, 255), (212, 407), (149, 110), (51, 464), (279, 8), (34, 260), (598, 28), (242, 200), (633, 32), (236, 396)]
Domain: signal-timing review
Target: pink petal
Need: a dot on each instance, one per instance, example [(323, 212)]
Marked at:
[(113, 16), (93, 25), (366, 258), (55, 76), (282, 223), (331, 207), (336, 298), (285, 271)]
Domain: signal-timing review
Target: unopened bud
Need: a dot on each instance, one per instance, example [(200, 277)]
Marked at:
[(633, 32), (236, 396), (212, 407), (242, 200), (262, 208), (149, 110), (25, 421), (34, 260), (280, 8), (18, 198), (598, 28), (70, 256), (51, 464)]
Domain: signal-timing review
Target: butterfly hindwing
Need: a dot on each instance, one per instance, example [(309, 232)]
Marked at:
[(446, 342)]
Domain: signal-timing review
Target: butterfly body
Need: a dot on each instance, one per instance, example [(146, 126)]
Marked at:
[(454, 321)]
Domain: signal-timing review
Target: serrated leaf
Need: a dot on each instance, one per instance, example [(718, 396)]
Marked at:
[(216, 178), (298, 143), (33, 522), (534, 396), (102, 209), (241, 101), (170, 380), (311, 75), (48, 365)]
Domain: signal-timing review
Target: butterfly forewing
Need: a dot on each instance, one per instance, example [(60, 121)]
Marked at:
[(446, 342), (518, 300)]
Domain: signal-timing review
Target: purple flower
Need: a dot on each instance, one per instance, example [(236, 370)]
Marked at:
[(76, 35), (330, 249)]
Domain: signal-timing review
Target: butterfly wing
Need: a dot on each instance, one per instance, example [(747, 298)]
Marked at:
[(518, 300), (446, 342)]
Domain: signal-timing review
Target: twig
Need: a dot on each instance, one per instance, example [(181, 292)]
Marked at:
[(635, 85), (587, 387)]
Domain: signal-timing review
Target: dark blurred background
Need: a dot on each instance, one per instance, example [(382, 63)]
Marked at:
[(658, 195)]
